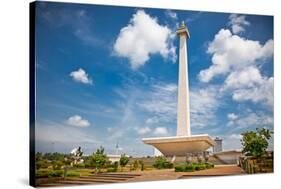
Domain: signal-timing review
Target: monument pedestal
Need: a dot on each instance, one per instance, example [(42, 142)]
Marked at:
[(180, 145)]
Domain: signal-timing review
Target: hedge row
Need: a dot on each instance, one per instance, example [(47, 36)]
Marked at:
[(193, 167)]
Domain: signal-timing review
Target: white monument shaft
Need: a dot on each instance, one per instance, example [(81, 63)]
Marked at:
[(183, 115), (184, 142)]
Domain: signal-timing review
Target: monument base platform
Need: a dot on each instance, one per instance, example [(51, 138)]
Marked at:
[(180, 145)]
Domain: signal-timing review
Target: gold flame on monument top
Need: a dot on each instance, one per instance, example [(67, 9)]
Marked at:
[(183, 30)]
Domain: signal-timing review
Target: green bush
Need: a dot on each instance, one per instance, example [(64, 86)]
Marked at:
[(111, 169), (48, 173), (79, 165), (193, 167), (57, 165), (42, 164), (200, 166), (162, 163), (184, 168), (56, 173), (72, 174), (209, 165), (123, 161), (135, 165), (142, 165)]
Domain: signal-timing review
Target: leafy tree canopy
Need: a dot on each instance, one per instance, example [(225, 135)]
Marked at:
[(255, 143)]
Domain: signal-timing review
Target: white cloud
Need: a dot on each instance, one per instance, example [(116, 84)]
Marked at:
[(142, 37), (171, 14), (248, 77), (251, 119), (231, 52), (161, 101), (237, 23), (55, 132), (235, 136), (77, 121), (160, 131), (232, 116), (232, 142), (249, 84), (81, 76), (144, 130), (203, 105), (152, 120)]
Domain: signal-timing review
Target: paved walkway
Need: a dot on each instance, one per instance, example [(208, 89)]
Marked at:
[(151, 175), (219, 170), (170, 174)]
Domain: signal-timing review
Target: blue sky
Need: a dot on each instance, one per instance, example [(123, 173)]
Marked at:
[(107, 75)]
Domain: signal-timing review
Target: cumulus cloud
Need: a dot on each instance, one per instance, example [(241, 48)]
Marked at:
[(161, 101), (144, 130), (160, 131), (251, 119), (173, 15), (232, 142), (81, 76), (231, 52), (237, 23), (56, 132), (203, 105), (232, 116), (249, 84), (141, 38), (152, 120), (77, 121)]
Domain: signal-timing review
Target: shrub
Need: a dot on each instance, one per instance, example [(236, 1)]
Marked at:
[(193, 167), (111, 169), (56, 173), (142, 165), (57, 165), (42, 164), (123, 160), (209, 165), (72, 174), (135, 165), (42, 173), (79, 165), (184, 168), (162, 163), (48, 173)]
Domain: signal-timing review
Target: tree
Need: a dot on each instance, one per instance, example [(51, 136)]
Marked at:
[(255, 143), (123, 161), (98, 159)]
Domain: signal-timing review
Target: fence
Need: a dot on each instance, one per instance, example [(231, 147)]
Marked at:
[(256, 165)]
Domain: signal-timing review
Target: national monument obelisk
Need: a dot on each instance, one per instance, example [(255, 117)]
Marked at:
[(183, 142), (183, 115)]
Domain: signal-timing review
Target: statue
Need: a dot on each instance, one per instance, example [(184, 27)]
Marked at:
[(76, 155)]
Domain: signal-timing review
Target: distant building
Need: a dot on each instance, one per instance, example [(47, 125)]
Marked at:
[(229, 157), (218, 145), (114, 157)]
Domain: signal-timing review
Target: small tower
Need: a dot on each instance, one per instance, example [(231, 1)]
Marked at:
[(218, 145)]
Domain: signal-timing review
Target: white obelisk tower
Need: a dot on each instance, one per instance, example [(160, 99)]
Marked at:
[(184, 142), (183, 117)]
